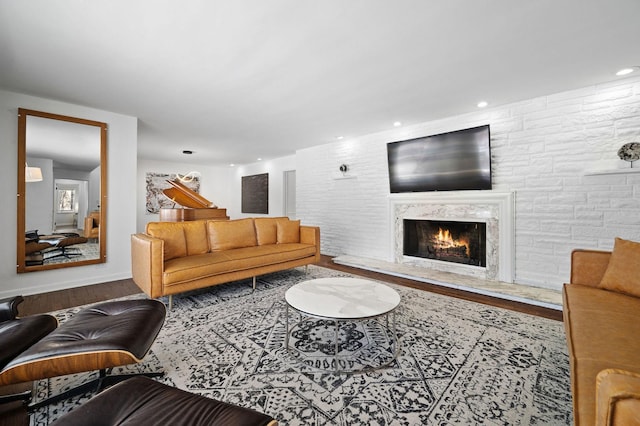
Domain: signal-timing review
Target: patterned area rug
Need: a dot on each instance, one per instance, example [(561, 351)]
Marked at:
[(459, 362), (78, 252)]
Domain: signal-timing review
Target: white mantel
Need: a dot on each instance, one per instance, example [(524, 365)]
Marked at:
[(494, 208)]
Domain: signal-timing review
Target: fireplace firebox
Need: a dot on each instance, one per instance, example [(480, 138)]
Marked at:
[(449, 241)]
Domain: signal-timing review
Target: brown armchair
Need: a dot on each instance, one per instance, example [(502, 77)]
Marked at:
[(92, 225), (99, 337)]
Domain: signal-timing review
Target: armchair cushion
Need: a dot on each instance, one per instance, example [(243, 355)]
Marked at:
[(623, 272)]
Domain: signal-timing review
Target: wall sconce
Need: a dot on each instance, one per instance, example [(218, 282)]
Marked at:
[(32, 174)]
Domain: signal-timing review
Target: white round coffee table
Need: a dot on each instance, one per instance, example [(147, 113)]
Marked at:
[(343, 299)]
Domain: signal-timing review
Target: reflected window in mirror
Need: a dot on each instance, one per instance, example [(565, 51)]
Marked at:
[(61, 214)]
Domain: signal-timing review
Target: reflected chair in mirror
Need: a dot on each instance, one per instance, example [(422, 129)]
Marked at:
[(41, 248), (33, 250), (92, 225), (97, 338)]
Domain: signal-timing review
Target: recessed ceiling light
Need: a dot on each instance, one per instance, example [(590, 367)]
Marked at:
[(339, 138), (397, 124), (625, 71), (232, 165), (259, 159), (187, 152), (482, 104)]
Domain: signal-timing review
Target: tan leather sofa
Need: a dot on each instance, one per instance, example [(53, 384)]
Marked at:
[(174, 257), (602, 324)]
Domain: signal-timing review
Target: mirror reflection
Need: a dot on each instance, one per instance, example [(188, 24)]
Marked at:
[(61, 188)]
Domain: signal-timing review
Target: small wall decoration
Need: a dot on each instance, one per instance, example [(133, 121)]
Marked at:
[(156, 182), (255, 194), (630, 152)]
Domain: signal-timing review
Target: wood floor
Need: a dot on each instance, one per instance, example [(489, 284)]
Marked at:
[(14, 414)]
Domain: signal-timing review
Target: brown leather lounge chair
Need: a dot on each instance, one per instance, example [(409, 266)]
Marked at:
[(100, 337)]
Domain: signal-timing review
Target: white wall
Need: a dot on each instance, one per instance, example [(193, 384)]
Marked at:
[(541, 149), (122, 147), (220, 185), (276, 169), (214, 185), (39, 217)]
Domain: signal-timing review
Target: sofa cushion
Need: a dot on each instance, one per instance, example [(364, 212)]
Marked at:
[(266, 229), (195, 234), (623, 272), (172, 233), (288, 232), (178, 271), (231, 234)]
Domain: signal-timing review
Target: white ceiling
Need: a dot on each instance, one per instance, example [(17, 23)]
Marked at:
[(234, 80), (71, 146)]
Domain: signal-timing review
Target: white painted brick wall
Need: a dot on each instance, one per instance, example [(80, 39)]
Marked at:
[(542, 150)]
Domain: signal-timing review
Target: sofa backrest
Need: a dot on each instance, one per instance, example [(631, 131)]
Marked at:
[(201, 236)]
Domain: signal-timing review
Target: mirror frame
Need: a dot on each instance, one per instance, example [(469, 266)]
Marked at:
[(22, 158)]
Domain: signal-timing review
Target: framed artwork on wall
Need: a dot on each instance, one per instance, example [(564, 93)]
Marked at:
[(156, 182), (255, 194)]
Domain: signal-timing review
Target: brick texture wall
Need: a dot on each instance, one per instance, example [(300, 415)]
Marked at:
[(543, 149)]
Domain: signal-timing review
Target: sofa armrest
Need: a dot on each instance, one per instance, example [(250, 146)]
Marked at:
[(311, 235), (147, 263), (617, 398), (588, 266), (9, 308)]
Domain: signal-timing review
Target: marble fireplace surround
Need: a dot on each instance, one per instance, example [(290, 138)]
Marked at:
[(496, 209)]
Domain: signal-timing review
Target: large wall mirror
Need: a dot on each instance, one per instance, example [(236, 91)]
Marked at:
[(61, 191)]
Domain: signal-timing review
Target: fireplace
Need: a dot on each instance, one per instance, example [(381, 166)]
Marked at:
[(448, 241), (493, 211)]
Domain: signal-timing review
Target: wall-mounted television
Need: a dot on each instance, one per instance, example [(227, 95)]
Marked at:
[(452, 161)]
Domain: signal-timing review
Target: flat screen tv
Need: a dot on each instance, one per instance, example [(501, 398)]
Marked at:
[(452, 161)]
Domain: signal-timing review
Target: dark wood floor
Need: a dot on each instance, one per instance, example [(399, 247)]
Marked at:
[(14, 414)]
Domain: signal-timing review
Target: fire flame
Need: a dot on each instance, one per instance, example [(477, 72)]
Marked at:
[(445, 240)]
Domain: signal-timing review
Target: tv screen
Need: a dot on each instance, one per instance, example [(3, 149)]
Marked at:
[(459, 160)]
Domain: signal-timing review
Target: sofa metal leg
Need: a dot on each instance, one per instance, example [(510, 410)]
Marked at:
[(306, 269), (170, 301), (254, 283)]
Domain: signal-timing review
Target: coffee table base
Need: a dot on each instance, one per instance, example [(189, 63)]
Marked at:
[(390, 331)]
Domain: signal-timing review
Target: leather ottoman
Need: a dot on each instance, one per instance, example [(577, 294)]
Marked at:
[(142, 401)]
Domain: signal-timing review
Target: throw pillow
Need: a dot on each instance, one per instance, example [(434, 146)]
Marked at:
[(288, 231), (266, 229), (623, 272)]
